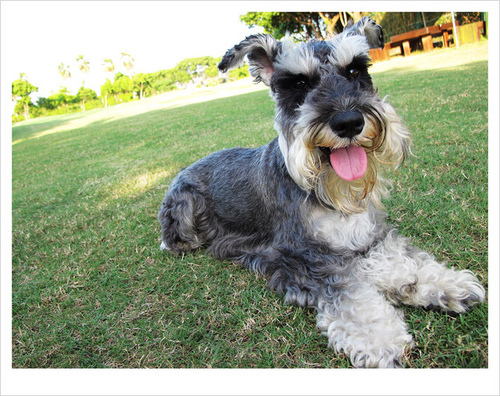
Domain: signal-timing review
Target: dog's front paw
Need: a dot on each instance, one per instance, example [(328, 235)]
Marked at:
[(377, 343), (380, 358), (365, 354), (461, 292), (164, 247)]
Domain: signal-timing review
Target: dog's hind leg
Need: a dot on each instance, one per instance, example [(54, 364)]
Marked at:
[(185, 219), (413, 277)]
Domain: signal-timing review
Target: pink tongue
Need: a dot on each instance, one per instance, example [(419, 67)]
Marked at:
[(349, 162)]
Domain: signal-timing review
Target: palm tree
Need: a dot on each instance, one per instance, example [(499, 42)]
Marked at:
[(64, 71), (109, 66), (128, 61), (83, 66)]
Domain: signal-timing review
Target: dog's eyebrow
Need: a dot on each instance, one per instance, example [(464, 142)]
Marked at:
[(346, 49), (360, 61)]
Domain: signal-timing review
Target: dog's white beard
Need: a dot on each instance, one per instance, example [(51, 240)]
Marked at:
[(311, 170)]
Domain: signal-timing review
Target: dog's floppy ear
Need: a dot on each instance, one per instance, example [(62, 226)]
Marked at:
[(367, 27), (261, 50)]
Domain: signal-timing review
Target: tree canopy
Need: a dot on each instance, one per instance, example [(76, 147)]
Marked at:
[(302, 25), (21, 91), (321, 25), (201, 71)]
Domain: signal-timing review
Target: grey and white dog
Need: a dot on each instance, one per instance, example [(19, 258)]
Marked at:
[(305, 210)]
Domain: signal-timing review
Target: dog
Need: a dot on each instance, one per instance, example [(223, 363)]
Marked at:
[(305, 210)]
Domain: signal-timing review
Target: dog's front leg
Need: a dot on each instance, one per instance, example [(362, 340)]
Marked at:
[(408, 275), (361, 323), (357, 319)]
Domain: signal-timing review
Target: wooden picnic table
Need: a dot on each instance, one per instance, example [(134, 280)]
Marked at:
[(422, 36), (447, 29)]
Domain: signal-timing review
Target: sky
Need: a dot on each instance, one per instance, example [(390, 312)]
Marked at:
[(37, 36), (40, 35)]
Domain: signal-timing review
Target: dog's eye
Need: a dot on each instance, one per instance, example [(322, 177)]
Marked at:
[(300, 84), (353, 73)]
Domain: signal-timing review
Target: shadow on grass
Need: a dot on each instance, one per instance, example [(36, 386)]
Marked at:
[(43, 126)]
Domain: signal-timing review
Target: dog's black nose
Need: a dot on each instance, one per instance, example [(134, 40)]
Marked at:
[(347, 124)]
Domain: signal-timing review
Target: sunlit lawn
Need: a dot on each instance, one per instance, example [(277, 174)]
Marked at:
[(92, 289)]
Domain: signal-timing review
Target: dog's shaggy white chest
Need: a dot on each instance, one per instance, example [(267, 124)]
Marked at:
[(353, 232)]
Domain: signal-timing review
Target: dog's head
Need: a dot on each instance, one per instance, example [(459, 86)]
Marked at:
[(334, 131)]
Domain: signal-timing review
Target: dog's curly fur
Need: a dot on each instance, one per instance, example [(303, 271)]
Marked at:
[(283, 211)]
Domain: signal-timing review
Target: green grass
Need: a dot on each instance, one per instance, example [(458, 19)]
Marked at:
[(92, 289)]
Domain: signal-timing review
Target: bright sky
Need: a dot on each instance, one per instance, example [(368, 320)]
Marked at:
[(40, 35)]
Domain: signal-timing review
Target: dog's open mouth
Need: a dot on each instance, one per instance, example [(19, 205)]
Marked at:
[(348, 162)]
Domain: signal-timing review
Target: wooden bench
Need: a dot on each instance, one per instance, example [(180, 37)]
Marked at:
[(447, 29), (422, 36)]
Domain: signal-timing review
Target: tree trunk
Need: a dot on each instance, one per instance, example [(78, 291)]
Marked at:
[(330, 23), (26, 112)]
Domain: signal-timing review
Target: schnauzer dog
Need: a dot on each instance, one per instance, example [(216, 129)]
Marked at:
[(305, 210)]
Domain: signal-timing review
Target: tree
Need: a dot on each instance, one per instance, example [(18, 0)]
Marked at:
[(106, 89), (63, 98), (181, 77), (109, 66), (141, 82), (64, 71), (84, 95), (239, 72), (56, 101), (196, 69), (162, 81), (122, 85), (83, 66), (128, 62), (303, 25), (212, 71), (21, 91)]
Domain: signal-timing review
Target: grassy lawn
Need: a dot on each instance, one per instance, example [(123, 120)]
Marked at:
[(91, 288)]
